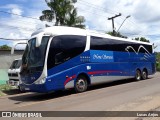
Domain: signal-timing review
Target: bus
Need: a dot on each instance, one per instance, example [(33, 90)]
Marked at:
[(59, 58)]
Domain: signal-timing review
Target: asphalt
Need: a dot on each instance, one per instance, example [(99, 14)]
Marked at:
[(106, 97)]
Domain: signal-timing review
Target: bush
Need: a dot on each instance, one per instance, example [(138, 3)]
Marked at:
[(158, 66), (5, 87)]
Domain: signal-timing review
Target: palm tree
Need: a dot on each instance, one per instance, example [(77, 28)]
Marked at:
[(63, 12), (73, 20)]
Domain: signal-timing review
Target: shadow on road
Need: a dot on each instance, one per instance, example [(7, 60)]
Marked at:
[(33, 97)]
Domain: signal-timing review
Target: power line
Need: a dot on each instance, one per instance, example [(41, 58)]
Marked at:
[(94, 6), (98, 7), (19, 15), (20, 21), (12, 39), (86, 3), (27, 29), (92, 12), (104, 10)]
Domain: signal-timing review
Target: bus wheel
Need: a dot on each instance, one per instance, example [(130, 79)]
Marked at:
[(21, 89), (144, 75), (81, 84), (138, 75)]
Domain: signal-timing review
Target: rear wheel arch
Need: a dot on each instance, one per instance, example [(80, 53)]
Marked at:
[(81, 82), (145, 69), (86, 76)]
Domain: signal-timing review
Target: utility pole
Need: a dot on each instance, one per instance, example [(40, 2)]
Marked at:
[(112, 18)]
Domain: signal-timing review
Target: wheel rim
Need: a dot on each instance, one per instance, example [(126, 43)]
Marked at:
[(144, 75), (138, 75), (81, 85)]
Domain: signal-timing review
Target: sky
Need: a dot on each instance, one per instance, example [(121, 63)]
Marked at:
[(144, 20)]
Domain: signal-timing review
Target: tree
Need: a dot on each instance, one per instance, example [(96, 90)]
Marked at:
[(117, 34), (63, 13), (5, 47), (158, 61), (158, 56), (73, 20), (143, 39)]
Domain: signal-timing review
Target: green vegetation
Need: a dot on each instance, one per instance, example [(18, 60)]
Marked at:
[(5, 47), (143, 39), (3, 88), (158, 61), (158, 66), (62, 12), (117, 34)]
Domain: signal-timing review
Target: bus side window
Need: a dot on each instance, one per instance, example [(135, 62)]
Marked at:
[(53, 51), (59, 58), (72, 46), (65, 47)]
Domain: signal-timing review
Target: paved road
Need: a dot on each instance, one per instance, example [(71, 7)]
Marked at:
[(97, 98)]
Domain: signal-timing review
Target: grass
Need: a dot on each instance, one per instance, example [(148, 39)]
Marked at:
[(3, 88), (158, 66)]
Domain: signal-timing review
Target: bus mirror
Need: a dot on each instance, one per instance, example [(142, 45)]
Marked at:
[(39, 39)]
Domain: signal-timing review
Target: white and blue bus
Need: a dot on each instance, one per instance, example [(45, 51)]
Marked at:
[(58, 58)]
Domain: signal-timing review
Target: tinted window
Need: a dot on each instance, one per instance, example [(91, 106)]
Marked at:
[(98, 43), (19, 63), (63, 48), (37, 54), (16, 64)]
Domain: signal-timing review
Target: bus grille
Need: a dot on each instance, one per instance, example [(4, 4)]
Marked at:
[(13, 74)]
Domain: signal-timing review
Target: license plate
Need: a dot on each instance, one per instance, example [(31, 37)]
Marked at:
[(11, 83), (27, 89)]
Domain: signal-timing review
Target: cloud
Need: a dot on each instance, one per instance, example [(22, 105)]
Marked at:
[(144, 20), (16, 11), (147, 11), (19, 27)]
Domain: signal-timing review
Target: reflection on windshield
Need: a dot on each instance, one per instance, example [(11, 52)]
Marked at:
[(33, 57), (16, 64)]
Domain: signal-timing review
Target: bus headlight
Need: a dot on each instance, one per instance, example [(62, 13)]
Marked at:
[(41, 81)]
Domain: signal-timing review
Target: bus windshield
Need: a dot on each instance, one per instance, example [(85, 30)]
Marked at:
[(34, 57)]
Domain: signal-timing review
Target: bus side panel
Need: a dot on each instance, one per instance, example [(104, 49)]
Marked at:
[(142, 61), (90, 63), (122, 66)]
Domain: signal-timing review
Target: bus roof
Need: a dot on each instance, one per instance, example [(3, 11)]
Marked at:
[(63, 30)]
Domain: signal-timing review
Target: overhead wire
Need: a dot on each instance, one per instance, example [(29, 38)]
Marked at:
[(107, 10), (19, 15), (12, 39), (81, 2)]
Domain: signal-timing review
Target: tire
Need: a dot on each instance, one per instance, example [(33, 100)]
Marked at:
[(81, 84), (144, 75), (138, 75), (21, 89)]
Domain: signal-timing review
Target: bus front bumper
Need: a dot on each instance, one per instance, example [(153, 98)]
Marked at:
[(41, 88)]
